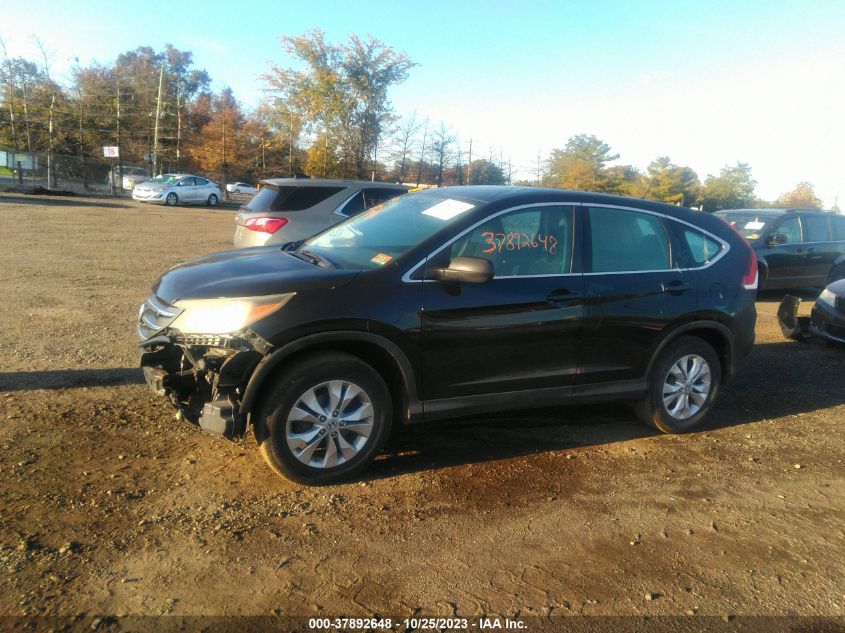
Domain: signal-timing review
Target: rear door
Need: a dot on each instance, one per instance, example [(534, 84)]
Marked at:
[(186, 190), (818, 249), (517, 332), (634, 288)]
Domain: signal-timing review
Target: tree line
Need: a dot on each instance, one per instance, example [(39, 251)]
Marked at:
[(326, 114)]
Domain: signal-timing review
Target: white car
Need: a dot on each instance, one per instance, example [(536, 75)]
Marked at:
[(173, 189), (240, 187)]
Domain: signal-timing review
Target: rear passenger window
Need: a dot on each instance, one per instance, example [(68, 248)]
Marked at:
[(816, 229), (622, 240), (200, 182), (701, 248)]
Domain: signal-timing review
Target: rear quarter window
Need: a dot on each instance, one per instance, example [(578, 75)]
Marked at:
[(816, 229), (837, 223), (271, 198), (701, 249)]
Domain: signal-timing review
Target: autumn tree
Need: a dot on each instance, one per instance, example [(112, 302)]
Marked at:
[(486, 172), (802, 197), (733, 188), (340, 92), (581, 165), (667, 182)]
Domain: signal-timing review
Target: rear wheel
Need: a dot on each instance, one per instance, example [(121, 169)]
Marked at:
[(683, 385), (324, 419), (172, 199), (212, 200)]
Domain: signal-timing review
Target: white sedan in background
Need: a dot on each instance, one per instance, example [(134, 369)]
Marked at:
[(173, 189), (240, 187)]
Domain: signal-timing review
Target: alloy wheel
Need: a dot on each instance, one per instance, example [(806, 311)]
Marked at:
[(330, 424), (686, 386)]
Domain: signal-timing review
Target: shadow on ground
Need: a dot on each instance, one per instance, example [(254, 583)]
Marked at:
[(747, 398), (70, 378), (63, 201)]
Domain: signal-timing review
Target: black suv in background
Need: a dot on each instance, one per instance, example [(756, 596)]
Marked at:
[(795, 248), (447, 302)]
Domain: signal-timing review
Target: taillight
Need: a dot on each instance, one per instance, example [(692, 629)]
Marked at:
[(749, 280), (265, 225)]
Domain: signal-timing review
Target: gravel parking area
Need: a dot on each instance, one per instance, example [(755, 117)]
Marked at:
[(110, 506)]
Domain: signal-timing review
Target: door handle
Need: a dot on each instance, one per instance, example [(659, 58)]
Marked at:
[(675, 287)]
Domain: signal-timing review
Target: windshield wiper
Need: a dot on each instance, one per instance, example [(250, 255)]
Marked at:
[(312, 258)]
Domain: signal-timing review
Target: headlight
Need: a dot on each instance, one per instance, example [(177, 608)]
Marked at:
[(222, 316), (827, 298)]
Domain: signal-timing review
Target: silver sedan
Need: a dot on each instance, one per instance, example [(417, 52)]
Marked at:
[(173, 189)]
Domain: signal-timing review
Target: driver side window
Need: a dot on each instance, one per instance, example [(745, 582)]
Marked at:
[(790, 230), (527, 242)]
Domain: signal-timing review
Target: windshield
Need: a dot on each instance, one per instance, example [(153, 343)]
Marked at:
[(385, 232), (167, 179), (750, 225)]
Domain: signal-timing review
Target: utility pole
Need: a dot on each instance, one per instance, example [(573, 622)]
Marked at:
[(158, 116), (538, 166), (422, 154), (82, 142), (50, 179), (223, 110), (469, 163), (290, 145), (178, 127), (119, 152)]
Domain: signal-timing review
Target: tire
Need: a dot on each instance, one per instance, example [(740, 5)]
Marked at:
[(212, 200), (668, 371), (294, 442), (236, 191), (172, 199), (836, 273)]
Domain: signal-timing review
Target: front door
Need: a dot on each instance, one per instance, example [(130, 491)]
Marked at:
[(785, 256), (517, 332)]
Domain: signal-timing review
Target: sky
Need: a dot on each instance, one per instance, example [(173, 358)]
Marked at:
[(707, 83)]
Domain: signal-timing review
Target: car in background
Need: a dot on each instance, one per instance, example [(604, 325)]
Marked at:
[(173, 189), (826, 320), (291, 209), (795, 248), (132, 176), (451, 302), (241, 187)]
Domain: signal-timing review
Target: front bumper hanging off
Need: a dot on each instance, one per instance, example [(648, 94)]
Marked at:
[(821, 323), (205, 384)]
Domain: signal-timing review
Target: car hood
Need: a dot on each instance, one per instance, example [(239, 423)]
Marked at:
[(148, 185), (247, 272)]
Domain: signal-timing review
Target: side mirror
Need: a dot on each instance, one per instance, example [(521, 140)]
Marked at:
[(776, 238), (470, 270)]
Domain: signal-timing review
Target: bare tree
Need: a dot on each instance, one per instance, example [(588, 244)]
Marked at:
[(404, 139), (441, 148)]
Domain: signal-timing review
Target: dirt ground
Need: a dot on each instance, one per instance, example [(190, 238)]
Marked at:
[(108, 506)]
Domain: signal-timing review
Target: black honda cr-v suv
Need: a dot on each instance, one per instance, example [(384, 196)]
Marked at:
[(447, 302)]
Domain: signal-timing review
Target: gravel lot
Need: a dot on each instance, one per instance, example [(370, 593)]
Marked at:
[(109, 506)]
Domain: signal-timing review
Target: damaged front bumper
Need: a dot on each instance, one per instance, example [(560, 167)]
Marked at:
[(203, 377), (823, 322)]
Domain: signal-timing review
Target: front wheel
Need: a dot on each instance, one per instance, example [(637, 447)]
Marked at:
[(212, 200), (172, 200), (236, 191), (324, 419), (682, 387)]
